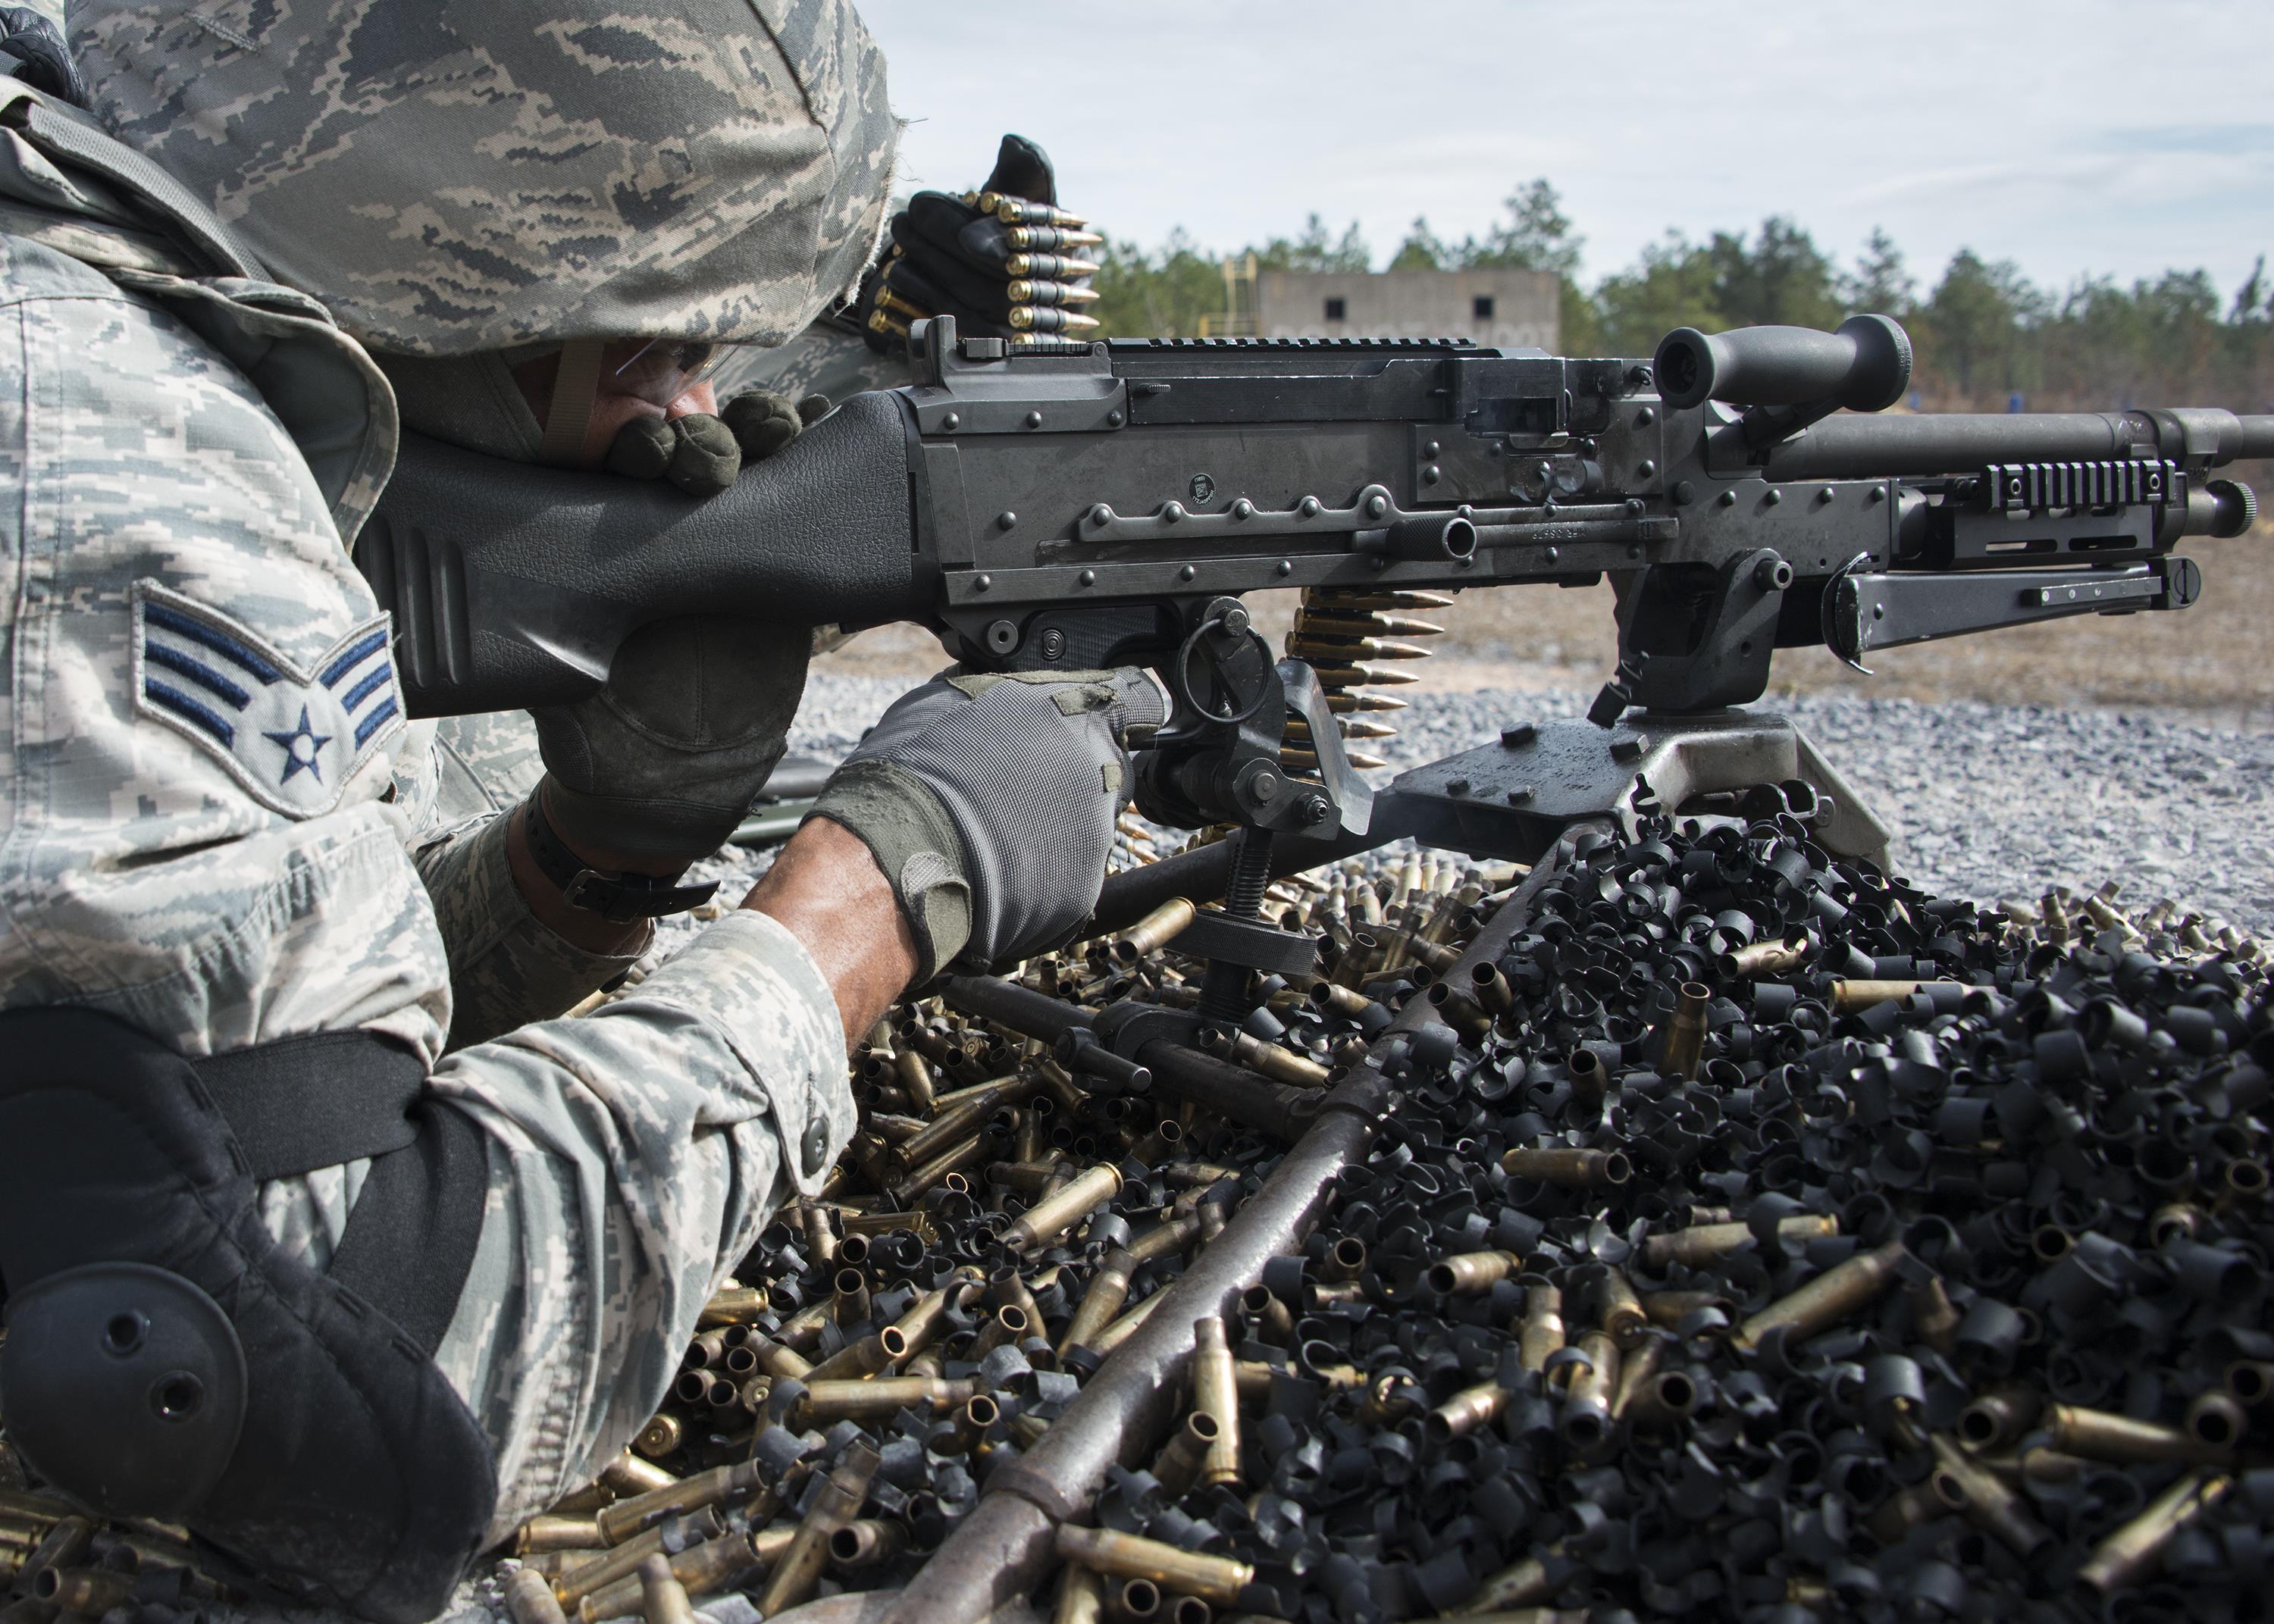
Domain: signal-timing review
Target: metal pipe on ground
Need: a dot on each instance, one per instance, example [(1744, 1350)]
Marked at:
[(1001, 1551)]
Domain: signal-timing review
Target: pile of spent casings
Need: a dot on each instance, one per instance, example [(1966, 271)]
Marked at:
[(1757, 1238)]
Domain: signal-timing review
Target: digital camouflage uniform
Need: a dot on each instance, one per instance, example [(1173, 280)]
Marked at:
[(211, 798)]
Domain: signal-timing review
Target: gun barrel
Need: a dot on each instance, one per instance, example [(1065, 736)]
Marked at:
[(1849, 448)]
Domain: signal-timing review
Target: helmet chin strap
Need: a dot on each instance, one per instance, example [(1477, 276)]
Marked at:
[(575, 385)]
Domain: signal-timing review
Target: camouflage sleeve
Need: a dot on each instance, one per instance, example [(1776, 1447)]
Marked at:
[(203, 835), (634, 1154)]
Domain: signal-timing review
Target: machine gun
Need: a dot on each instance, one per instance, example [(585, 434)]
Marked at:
[(1078, 505)]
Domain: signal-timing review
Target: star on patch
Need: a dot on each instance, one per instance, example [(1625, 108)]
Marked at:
[(301, 746)]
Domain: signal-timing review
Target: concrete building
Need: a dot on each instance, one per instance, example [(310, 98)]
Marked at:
[(1505, 309)]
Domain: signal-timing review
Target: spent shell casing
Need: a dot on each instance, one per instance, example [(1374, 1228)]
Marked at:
[(1120, 1330), (1269, 1060), (1523, 1582), (736, 1306), (1839, 1291), (628, 1475), (1855, 994), (718, 1487), (1183, 1458), (1662, 1403), (1682, 1042), (2135, 1551), (1156, 930), (1669, 1309), (90, 1590), (1471, 1274), (1637, 1369), (1101, 1300), (1170, 1239), (1570, 1170), (1218, 1580), (1054, 1214), (1993, 1508), (827, 1403), (1465, 1412), (1705, 1242), (1762, 958), (2098, 1435), (1216, 1391), (529, 1600), (836, 1503), (666, 1538), (1998, 1416), (969, 1425), (1619, 1309), (663, 1599), (1081, 1597), (2216, 1420), (1938, 1495), (700, 1569), (1540, 1334), (546, 1533), (1587, 1418), (867, 1542)]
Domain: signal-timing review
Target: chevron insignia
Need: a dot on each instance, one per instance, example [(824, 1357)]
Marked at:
[(292, 735)]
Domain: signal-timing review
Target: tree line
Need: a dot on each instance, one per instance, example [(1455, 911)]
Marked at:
[(1983, 331)]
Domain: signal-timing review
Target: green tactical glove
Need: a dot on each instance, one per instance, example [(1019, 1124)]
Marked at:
[(988, 803), (1002, 260), (703, 454)]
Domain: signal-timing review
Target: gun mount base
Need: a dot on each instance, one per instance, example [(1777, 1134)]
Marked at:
[(1513, 800)]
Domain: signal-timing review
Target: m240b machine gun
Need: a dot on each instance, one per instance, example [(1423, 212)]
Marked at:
[(1077, 505)]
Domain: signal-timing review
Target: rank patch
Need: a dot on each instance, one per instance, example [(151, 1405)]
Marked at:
[(292, 735)]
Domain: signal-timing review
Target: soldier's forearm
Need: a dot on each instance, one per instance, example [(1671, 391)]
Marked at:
[(827, 890)]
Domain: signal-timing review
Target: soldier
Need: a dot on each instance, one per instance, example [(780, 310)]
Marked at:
[(277, 1269)]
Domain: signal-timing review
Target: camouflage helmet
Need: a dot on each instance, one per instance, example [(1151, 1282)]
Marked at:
[(460, 176)]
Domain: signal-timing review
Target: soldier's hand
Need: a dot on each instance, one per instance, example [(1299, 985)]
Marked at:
[(988, 803), (703, 455), (655, 771), (1005, 261)]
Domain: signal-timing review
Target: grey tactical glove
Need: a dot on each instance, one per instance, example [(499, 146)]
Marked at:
[(988, 803)]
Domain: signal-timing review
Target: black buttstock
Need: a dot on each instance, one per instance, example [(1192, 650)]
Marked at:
[(513, 585)]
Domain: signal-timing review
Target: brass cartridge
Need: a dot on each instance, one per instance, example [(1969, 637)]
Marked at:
[(1575, 1169), (1216, 1580), (837, 1503), (1839, 1291), (1054, 1214), (1216, 1392)]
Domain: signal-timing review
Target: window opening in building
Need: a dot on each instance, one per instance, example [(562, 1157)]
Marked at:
[(1480, 307), (1335, 309)]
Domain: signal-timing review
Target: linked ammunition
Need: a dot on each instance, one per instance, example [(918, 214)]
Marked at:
[(1215, 1578), (2135, 1551), (1216, 1393), (836, 1503), (1570, 1170), (1843, 1289), (1052, 1216)]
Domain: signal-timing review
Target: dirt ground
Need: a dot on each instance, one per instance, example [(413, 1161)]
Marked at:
[(2213, 663)]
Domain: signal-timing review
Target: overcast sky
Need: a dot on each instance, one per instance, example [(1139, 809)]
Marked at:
[(2070, 136)]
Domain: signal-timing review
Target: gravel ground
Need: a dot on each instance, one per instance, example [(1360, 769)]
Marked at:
[(1987, 801)]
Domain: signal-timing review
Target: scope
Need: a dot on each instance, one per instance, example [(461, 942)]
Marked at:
[(1865, 365)]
